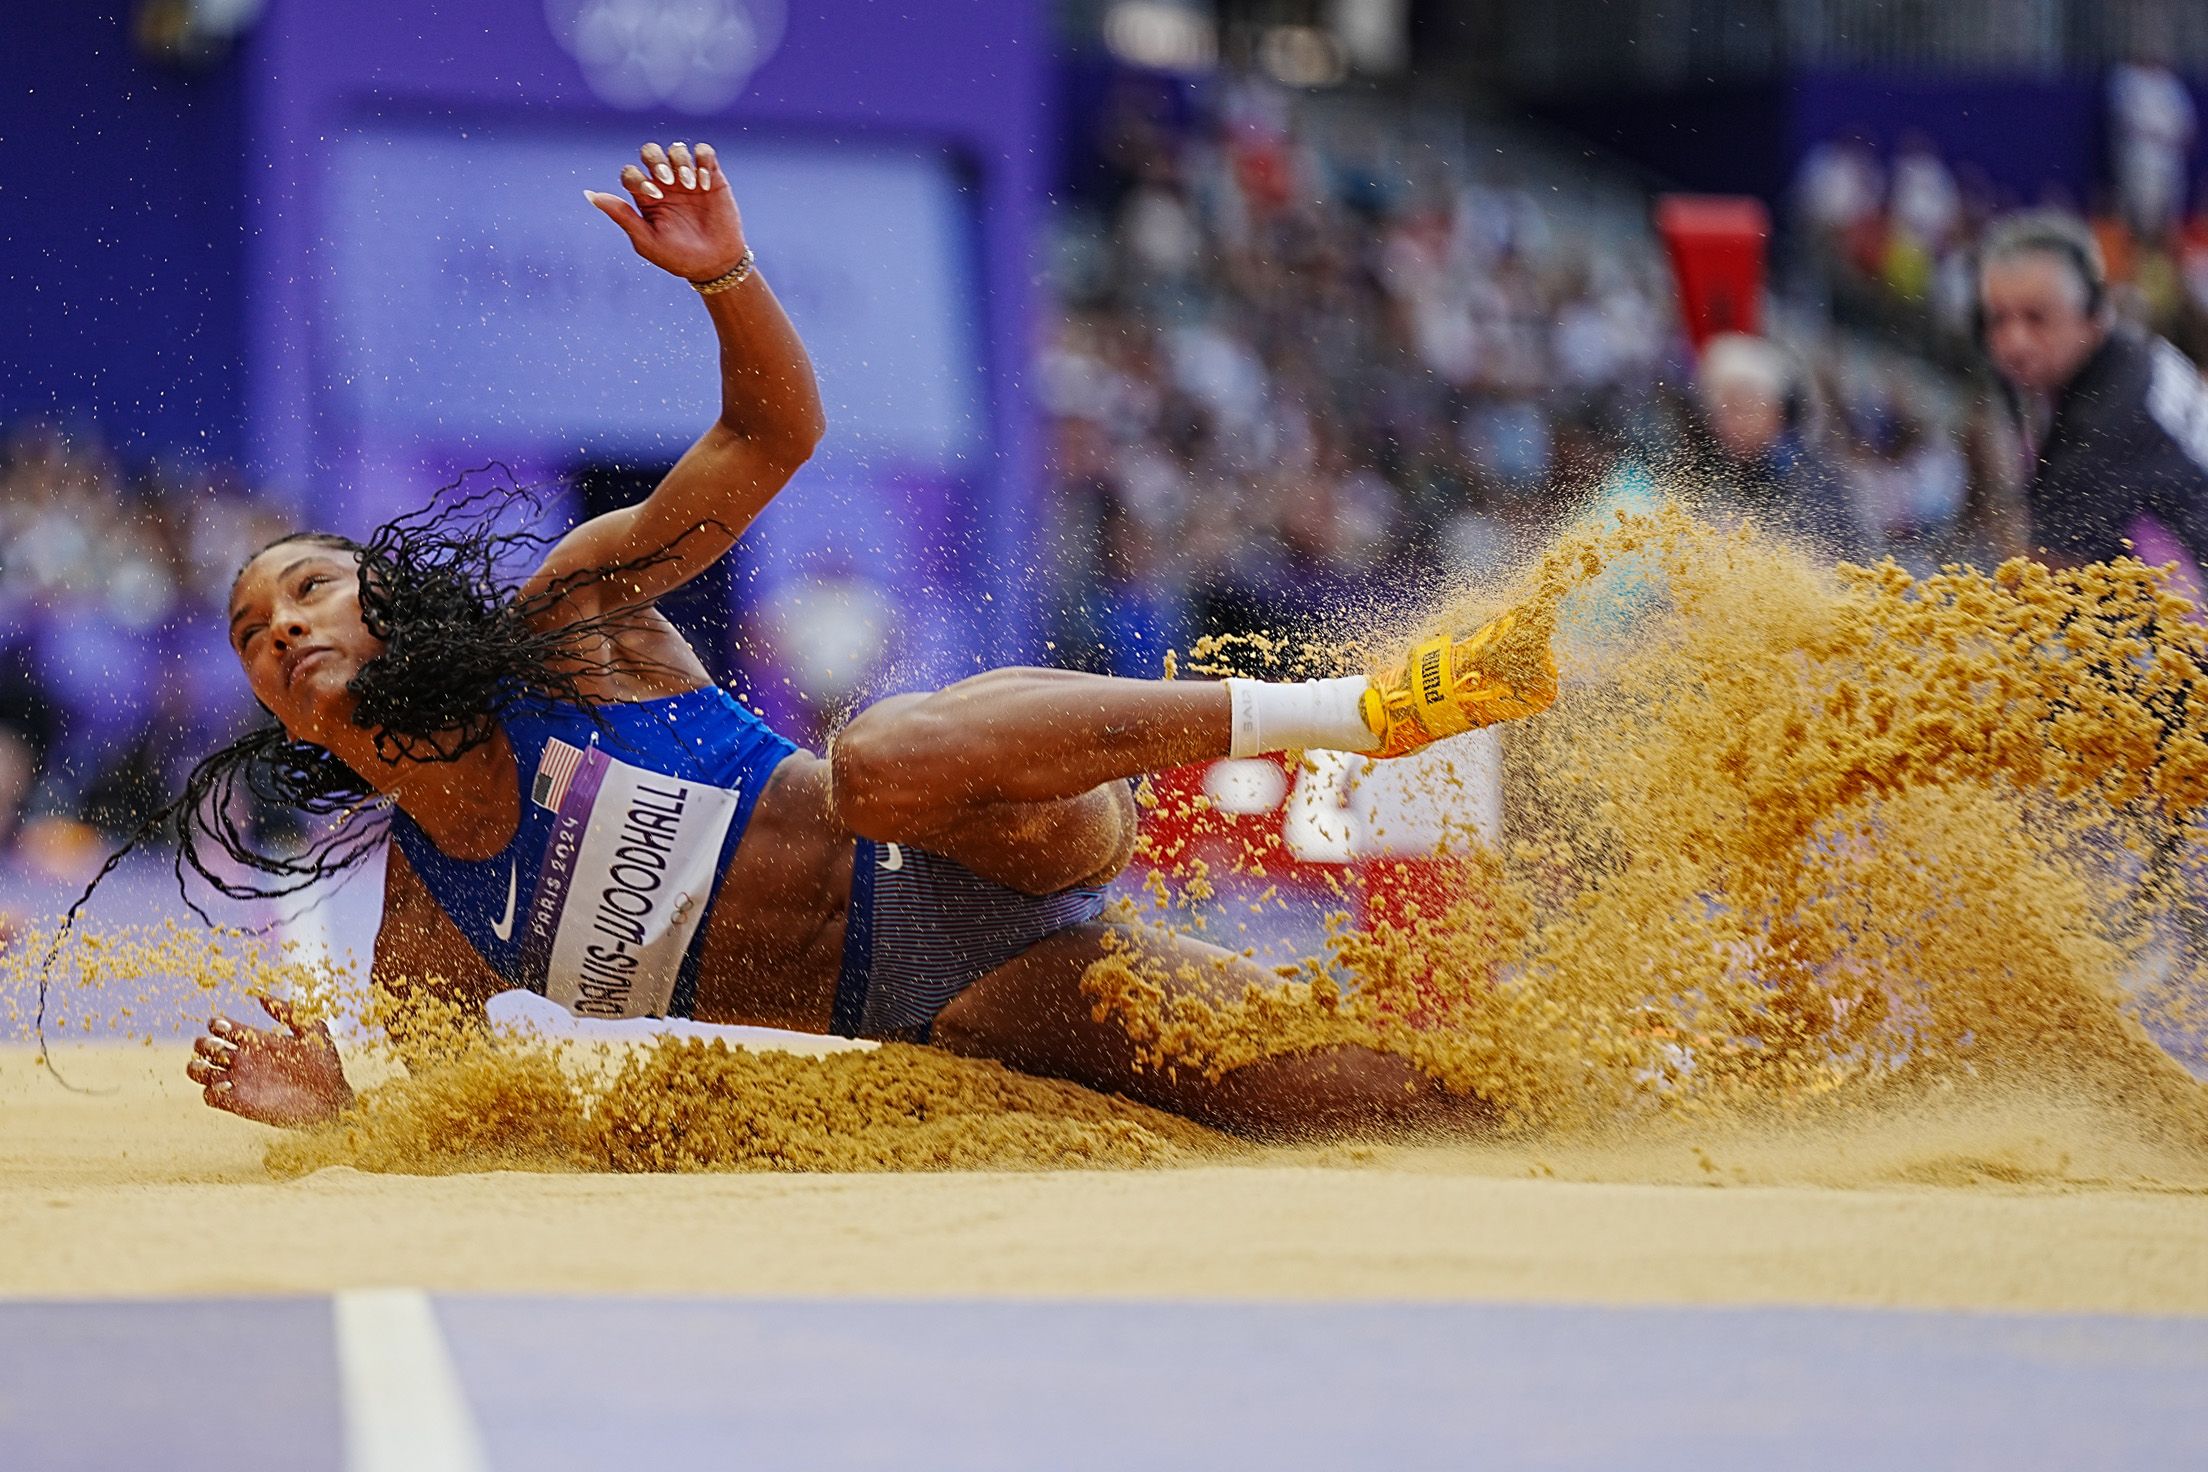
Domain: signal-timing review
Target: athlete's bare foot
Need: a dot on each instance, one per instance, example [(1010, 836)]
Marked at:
[(289, 1075)]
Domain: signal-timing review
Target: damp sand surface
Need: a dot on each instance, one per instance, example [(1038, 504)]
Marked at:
[(1844, 944), (145, 1191)]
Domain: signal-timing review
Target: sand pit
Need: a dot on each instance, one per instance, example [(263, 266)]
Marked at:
[(145, 1191), (1835, 954)]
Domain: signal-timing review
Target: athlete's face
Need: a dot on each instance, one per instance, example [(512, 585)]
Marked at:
[(2038, 331), (295, 624)]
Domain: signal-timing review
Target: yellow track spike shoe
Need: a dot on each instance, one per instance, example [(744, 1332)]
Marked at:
[(1501, 671)]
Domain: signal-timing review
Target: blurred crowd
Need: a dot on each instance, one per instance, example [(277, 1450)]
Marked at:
[(1890, 235), (1293, 375), (1299, 370), (113, 676)]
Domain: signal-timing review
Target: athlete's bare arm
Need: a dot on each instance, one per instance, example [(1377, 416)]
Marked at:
[(427, 980), (681, 217)]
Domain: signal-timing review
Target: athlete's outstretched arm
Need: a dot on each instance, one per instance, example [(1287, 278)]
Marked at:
[(681, 217), (427, 986)]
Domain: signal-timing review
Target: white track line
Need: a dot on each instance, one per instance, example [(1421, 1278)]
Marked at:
[(403, 1407)]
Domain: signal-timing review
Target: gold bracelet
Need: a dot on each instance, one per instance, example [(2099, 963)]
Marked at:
[(734, 276)]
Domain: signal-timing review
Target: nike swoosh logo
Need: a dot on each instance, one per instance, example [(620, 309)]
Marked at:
[(503, 927), (893, 857)]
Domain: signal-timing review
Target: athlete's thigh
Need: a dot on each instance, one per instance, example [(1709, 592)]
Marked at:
[(1031, 1013), (1043, 847), (1035, 847)]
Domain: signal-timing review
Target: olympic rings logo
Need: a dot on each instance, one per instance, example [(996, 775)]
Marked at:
[(693, 55)]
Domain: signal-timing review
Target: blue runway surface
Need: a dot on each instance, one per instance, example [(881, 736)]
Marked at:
[(554, 1384)]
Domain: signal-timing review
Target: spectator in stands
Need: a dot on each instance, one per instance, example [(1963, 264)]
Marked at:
[(2152, 123), (103, 671), (1903, 261), (1927, 214), (1286, 358), (1840, 194), (1755, 459), (2114, 422), (1914, 482)]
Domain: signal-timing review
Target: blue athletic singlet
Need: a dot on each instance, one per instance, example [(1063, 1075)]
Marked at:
[(629, 815)]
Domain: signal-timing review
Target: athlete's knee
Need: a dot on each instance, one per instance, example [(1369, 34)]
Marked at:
[(886, 767), (1122, 831), (911, 761)]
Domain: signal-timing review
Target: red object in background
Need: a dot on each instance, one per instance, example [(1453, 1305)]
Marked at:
[(1185, 825), (1389, 889), (1717, 244)]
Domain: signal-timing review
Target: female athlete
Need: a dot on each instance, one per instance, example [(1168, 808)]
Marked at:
[(578, 810)]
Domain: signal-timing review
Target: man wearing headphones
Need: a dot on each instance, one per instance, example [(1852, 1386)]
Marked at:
[(2115, 435), (2114, 422)]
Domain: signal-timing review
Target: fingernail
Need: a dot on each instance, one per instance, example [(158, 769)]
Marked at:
[(689, 178), (223, 1087), (219, 1028), (705, 181), (666, 175), (653, 190), (591, 195)]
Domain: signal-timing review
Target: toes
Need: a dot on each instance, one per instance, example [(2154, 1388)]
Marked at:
[(655, 161)]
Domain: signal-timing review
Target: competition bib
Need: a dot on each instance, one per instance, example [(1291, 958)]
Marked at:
[(628, 873)]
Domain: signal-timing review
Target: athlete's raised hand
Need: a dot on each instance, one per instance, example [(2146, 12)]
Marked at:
[(683, 219), (289, 1075)]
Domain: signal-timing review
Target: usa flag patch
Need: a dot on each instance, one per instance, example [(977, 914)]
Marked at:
[(554, 772)]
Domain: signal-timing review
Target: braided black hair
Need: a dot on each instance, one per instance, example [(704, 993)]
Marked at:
[(462, 646)]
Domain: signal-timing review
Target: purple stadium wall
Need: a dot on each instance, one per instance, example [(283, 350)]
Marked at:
[(429, 290)]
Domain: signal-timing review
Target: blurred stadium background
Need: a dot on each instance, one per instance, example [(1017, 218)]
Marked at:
[(1138, 319)]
